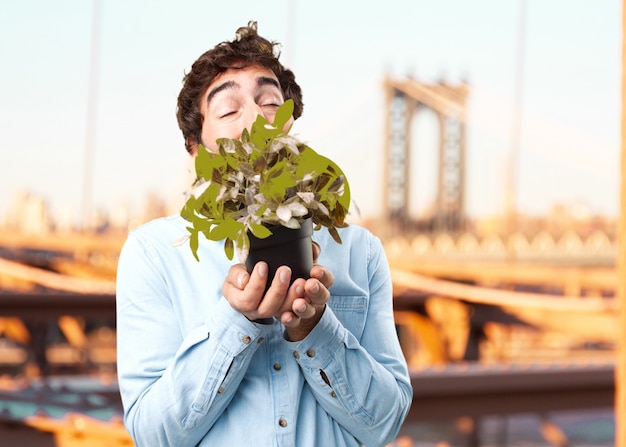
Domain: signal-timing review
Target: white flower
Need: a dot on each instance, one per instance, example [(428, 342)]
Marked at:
[(284, 213), (287, 211), (297, 209), (292, 223), (307, 197)]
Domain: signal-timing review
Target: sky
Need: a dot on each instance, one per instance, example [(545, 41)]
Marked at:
[(568, 89)]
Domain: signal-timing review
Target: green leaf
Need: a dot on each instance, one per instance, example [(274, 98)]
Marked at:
[(261, 209), (187, 212), (276, 181), (229, 248), (245, 136), (211, 207), (194, 243), (259, 134), (208, 163), (340, 213), (227, 229), (311, 161), (251, 178), (201, 224), (260, 231), (335, 234), (259, 165), (344, 199), (283, 114)]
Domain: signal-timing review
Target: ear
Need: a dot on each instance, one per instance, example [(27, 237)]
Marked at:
[(192, 146)]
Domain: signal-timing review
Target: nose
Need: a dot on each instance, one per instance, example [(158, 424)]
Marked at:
[(252, 111)]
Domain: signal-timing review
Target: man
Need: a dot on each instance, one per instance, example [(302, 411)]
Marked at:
[(205, 357)]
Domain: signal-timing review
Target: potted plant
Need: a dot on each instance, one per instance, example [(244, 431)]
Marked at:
[(261, 187)]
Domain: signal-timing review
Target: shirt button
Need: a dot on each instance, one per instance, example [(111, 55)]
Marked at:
[(296, 354), (310, 352), (333, 394), (277, 366), (282, 422), (260, 340), (246, 339), (220, 390)]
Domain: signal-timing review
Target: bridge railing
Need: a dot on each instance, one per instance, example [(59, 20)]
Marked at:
[(597, 248)]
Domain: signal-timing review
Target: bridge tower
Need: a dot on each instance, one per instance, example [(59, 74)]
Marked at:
[(404, 98)]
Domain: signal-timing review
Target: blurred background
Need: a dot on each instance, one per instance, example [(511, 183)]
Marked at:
[(482, 143)]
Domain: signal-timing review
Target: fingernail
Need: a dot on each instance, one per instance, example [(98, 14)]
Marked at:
[(262, 270), (241, 278), (315, 288), (302, 308), (284, 276)]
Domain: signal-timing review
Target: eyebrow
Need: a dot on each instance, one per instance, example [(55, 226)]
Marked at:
[(260, 81), (264, 80), (224, 86)]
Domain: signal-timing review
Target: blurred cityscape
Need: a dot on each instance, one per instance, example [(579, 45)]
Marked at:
[(32, 214), (521, 366), (508, 323)]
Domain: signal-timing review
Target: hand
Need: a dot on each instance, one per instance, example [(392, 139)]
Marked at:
[(244, 291), (299, 306), (308, 300)]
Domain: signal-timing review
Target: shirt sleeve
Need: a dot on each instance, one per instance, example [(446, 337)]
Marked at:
[(362, 383), (174, 387)]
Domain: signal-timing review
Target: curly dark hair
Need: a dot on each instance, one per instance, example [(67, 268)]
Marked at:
[(248, 48)]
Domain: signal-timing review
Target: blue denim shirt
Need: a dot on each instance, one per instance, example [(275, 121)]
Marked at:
[(193, 371)]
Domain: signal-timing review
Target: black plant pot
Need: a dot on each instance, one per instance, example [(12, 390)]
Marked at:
[(285, 246)]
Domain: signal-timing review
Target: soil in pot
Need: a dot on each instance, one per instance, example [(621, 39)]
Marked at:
[(285, 246)]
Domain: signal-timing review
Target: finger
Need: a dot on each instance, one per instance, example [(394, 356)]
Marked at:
[(296, 290), (244, 291), (258, 277), (315, 292), (277, 292), (317, 250), (236, 279), (302, 309), (289, 319), (323, 275)]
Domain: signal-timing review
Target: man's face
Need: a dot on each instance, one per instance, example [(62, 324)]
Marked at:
[(233, 101)]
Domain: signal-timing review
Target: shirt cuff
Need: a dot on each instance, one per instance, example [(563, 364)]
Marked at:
[(318, 348), (234, 331)]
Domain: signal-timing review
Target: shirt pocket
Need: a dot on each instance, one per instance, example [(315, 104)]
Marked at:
[(351, 310)]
